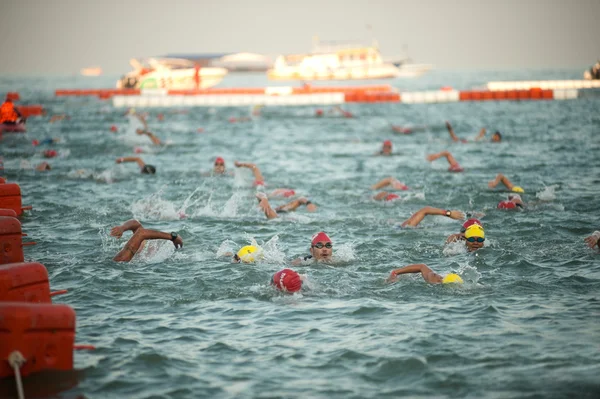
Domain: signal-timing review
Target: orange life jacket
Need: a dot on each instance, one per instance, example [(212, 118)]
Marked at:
[(8, 113)]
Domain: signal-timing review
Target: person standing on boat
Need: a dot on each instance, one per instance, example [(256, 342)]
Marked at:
[(9, 114)]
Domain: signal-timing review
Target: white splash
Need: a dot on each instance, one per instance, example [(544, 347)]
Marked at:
[(454, 248), (548, 193)]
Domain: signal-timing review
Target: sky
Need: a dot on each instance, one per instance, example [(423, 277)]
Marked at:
[(59, 37)]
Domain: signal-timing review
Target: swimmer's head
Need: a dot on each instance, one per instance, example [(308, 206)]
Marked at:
[(468, 223), (496, 137), (287, 280), (246, 254), (387, 147), (148, 169), (391, 197), (131, 111), (452, 279), (475, 237), (319, 112), (219, 165), (321, 247), (518, 189)]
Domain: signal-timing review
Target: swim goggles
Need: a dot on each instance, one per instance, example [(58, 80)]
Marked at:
[(321, 245), (473, 239)]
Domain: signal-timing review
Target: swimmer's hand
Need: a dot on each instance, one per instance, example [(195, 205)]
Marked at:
[(431, 157), (457, 215), (392, 278), (592, 240), (116, 231), (178, 242)]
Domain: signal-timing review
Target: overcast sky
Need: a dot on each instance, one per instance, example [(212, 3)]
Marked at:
[(62, 36)]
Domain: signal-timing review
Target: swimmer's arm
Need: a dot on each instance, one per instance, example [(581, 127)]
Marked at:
[(291, 206), (130, 225), (257, 175), (455, 238), (132, 159), (263, 202), (382, 183), (415, 219), (451, 131), (593, 240), (297, 262), (155, 140), (500, 178), (380, 196), (428, 275), (481, 134)]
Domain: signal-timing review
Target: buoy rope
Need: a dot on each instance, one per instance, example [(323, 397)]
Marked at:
[(16, 360)]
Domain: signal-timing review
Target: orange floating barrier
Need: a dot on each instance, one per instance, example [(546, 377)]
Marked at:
[(25, 282), (43, 334), (10, 198), (11, 242), (2, 180), (535, 93), (30, 110), (476, 96), (487, 95), (465, 96), (511, 95), (499, 95), (523, 94), (8, 212), (13, 96), (548, 94)]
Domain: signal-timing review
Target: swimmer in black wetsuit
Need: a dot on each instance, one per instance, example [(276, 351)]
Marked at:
[(144, 168)]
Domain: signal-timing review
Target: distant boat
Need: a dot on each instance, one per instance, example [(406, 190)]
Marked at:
[(92, 71), (170, 73), (342, 62)]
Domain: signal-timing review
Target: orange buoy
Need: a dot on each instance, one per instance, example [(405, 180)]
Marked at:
[(30, 110), (13, 96), (24, 282), (10, 198), (8, 212), (44, 334), (11, 243)]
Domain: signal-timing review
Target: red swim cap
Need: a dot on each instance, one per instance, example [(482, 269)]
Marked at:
[(287, 280), (319, 112), (113, 128), (289, 193), (35, 142), (391, 197), (506, 205), (469, 223), (50, 153), (219, 160), (387, 142), (320, 237)]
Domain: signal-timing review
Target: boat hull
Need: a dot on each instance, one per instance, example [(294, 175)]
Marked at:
[(178, 79)]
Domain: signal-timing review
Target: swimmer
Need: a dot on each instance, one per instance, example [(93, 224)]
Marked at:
[(386, 149), (321, 250), (246, 254), (9, 114), (259, 180), (287, 280), (496, 137), (400, 129), (155, 140), (140, 235), (58, 118), (346, 114), (593, 240), (454, 165), (384, 195), (418, 216), (461, 235), (219, 166), (282, 192), (42, 167), (144, 168), (514, 201), (500, 178), (271, 213), (428, 275), (474, 237)]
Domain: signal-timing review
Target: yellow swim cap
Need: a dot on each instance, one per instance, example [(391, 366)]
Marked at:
[(518, 189), (131, 111), (474, 230), (452, 278), (246, 253)]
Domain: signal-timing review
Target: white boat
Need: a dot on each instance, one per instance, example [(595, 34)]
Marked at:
[(342, 62), (170, 73)]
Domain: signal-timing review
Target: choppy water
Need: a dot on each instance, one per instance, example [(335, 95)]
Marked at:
[(190, 324)]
